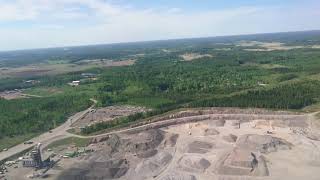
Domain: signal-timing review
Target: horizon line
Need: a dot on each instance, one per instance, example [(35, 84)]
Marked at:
[(155, 40)]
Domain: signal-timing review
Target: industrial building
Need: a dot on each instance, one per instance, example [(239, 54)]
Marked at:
[(35, 159)]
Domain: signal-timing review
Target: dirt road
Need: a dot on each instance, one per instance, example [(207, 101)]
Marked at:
[(61, 131), (197, 118)]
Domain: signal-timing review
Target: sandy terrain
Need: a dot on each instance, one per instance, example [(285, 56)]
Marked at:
[(230, 144), (267, 46), (107, 63), (15, 94), (223, 49), (194, 56), (8, 95)]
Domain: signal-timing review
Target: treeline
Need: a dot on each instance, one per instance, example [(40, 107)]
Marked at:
[(20, 83), (23, 116), (289, 96), (125, 121)]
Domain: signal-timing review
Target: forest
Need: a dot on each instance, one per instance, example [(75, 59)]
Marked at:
[(161, 79)]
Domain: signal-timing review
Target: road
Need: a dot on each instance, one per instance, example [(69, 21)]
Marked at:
[(183, 120), (49, 137)]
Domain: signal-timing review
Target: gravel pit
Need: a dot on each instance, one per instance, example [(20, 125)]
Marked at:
[(171, 141), (262, 143), (230, 138), (112, 169), (193, 163), (199, 147), (210, 132), (242, 162), (153, 165)]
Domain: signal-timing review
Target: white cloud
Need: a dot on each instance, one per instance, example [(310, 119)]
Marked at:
[(105, 22)]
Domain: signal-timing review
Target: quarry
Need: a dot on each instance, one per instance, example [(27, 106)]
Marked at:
[(215, 143)]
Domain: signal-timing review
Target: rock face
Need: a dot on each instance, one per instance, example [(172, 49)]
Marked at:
[(99, 165), (262, 143)]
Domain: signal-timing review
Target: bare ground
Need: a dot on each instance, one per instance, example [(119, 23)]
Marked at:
[(270, 46), (107, 114), (194, 56), (241, 144)]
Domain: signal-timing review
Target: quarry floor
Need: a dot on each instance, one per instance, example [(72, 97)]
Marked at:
[(233, 144)]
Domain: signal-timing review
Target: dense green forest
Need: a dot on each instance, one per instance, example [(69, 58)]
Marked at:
[(288, 96), (36, 115), (160, 79)]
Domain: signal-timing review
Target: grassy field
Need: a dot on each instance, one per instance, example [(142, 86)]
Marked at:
[(79, 142), (43, 91), (8, 142)]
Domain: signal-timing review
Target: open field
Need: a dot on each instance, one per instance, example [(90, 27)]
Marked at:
[(271, 46), (9, 142), (194, 56), (60, 68), (43, 91)]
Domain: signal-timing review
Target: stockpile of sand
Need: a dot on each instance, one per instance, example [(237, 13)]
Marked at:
[(242, 162), (107, 114), (210, 132), (153, 166), (193, 163), (199, 147), (230, 138), (112, 169), (143, 141), (262, 143), (171, 141), (99, 166), (246, 158)]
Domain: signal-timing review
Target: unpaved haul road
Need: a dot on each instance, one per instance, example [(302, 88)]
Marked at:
[(61, 131), (196, 118), (47, 138)]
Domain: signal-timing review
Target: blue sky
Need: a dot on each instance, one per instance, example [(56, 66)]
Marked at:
[(26, 24)]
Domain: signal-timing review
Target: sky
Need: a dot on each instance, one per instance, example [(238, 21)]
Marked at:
[(28, 24)]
